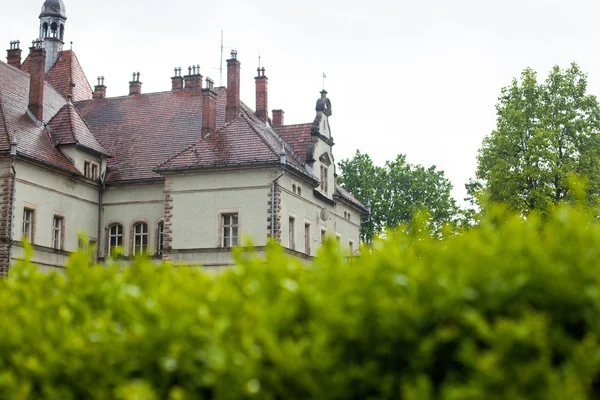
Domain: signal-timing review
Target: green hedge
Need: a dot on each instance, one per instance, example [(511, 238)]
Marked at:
[(504, 311)]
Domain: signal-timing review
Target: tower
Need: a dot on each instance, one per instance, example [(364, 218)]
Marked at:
[(52, 29)]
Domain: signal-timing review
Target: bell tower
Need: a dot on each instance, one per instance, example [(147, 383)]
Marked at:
[(52, 30)]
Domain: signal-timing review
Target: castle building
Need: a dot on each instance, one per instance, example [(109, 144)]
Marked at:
[(182, 175)]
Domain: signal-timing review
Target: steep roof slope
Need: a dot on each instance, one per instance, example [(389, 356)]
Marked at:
[(64, 72), (68, 127), (32, 141), (298, 137), (143, 131), (67, 76)]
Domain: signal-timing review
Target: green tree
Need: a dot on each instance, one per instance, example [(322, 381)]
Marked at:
[(546, 134), (396, 191)]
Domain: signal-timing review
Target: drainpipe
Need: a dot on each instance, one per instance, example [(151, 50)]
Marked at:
[(13, 156), (282, 161), (100, 205)]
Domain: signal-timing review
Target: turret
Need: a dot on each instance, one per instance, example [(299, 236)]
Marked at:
[(52, 30)]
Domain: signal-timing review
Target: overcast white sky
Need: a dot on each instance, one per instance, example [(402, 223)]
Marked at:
[(414, 77)]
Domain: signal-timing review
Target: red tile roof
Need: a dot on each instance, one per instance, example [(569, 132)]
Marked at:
[(68, 127), (67, 76), (143, 131), (32, 141), (346, 195), (4, 138), (298, 136), (244, 141)]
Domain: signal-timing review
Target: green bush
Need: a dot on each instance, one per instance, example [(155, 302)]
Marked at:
[(504, 311)]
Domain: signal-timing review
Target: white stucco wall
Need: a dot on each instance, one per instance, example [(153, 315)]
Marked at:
[(127, 204), (200, 198), (51, 193), (306, 208)]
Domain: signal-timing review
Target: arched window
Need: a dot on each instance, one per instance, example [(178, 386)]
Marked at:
[(299, 190), (160, 231), (140, 238), (62, 31), (45, 30), (115, 238), (54, 29)]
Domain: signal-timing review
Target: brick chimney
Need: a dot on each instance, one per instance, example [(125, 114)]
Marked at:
[(277, 118), (233, 88), (99, 89), (135, 86), (13, 54), (209, 109), (177, 80), (37, 55), (262, 107), (193, 80)]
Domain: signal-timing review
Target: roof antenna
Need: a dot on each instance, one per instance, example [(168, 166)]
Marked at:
[(324, 76), (71, 45), (258, 60), (221, 65)]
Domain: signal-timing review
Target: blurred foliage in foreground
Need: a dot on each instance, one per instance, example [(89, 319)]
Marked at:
[(505, 310)]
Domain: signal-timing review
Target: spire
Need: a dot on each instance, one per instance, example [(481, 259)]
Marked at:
[(52, 30)]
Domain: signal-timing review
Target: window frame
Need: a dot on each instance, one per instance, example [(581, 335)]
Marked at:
[(292, 232), (138, 247), (227, 229), (160, 238), (58, 242), (307, 236), (324, 178), (109, 246), (30, 232)]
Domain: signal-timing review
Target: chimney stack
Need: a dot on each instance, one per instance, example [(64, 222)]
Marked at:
[(193, 80), (233, 88), (209, 109), (99, 89), (135, 86), (177, 80), (262, 107), (277, 118), (37, 55), (13, 54)]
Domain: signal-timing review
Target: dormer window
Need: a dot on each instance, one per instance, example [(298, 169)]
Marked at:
[(91, 170)]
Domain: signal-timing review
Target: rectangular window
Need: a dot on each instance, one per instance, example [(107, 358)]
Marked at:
[(140, 238), (115, 238), (324, 178), (229, 230), (57, 232), (94, 174), (307, 238), (90, 170), (292, 233), (161, 235), (28, 214)]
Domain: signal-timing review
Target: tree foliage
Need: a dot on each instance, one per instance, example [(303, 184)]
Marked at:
[(547, 133), (505, 310), (396, 191)]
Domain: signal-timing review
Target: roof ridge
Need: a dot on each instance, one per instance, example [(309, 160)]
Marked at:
[(275, 153), (15, 68), (290, 125), (126, 96)]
